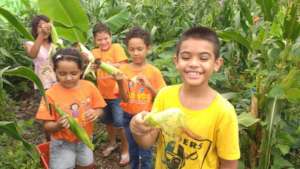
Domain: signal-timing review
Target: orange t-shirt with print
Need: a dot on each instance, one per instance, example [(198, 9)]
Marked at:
[(75, 102), (140, 98), (106, 84)]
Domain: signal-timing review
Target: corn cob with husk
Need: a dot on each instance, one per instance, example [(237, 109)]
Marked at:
[(56, 42), (168, 120), (80, 133), (104, 66), (107, 67)]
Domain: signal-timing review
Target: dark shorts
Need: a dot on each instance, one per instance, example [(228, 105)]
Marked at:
[(113, 114)]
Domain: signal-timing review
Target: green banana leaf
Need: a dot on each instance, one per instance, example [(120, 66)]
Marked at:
[(68, 13), (118, 20), (16, 23), (246, 120), (26, 73), (11, 129)]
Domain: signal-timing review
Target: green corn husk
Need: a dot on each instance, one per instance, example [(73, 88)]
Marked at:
[(80, 133), (108, 68), (55, 39), (88, 69), (169, 120)]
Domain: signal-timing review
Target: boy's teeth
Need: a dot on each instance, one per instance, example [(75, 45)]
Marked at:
[(193, 74)]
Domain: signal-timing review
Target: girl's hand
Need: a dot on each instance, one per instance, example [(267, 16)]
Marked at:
[(92, 114), (45, 30), (139, 126), (62, 122), (85, 57)]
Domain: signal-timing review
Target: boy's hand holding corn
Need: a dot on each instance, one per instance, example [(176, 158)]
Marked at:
[(139, 126)]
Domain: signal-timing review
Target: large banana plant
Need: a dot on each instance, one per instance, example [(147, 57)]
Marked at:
[(16, 23)]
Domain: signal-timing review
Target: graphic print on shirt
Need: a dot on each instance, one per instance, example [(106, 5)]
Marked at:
[(185, 151), (137, 93), (74, 107)]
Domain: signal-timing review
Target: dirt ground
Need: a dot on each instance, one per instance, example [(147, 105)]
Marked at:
[(26, 110)]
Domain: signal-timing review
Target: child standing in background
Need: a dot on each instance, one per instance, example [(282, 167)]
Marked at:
[(39, 50), (209, 137), (115, 55), (139, 83), (79, 99)]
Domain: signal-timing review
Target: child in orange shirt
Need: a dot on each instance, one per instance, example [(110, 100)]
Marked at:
[(113, 114), (139, 82), (79, 99)]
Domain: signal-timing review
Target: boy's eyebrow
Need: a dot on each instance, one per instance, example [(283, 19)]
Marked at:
[(201, 53)]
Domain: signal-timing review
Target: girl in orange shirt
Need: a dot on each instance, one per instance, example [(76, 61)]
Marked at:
[(79, 99)]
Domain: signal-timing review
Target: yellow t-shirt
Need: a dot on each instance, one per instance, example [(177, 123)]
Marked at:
[(105, 82), (216, 128)]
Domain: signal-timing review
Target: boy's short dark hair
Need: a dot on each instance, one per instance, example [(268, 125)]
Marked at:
[(70, 54), (201, 33), (101, 27), (34, 25), (137, 32)]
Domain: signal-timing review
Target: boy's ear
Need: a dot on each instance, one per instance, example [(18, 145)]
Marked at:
[(218, 64)]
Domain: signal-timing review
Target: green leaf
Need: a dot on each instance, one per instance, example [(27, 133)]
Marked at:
[(10, 128), (236, 37), (16, 23), (267, 7), (291, 22), (118, 20), (69, 13), (293, 94), (26, 73), (247, 120), (284, 149), (276, 91)]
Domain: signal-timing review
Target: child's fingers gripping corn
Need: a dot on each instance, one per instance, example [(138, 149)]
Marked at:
[(169, 120), (80, 133)]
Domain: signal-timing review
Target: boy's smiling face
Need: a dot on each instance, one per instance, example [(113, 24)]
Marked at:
[(196, 61), (103, 40)]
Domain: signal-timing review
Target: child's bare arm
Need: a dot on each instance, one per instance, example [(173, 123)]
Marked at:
[(120, 77), (228, 164), (118, 64), (54, 126), (143, 134), (33, 50)]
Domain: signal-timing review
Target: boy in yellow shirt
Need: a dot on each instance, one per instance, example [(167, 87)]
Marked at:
[(209, 136)]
